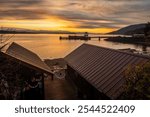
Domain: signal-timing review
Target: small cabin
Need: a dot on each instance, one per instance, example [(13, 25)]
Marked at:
[(99, 73), (22, 74)]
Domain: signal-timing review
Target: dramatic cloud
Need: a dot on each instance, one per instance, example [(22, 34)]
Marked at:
[(22, 9), (116, 12), (19, 3), (86, 14)]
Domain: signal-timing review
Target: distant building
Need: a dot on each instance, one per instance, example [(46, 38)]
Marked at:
[(86, 34), (138, 35), (98, 72)]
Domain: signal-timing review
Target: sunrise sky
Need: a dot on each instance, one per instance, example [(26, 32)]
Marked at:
[(98, 16)]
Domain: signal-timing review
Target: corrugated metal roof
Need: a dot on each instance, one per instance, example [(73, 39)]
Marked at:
[(26, 57), (103, 67)]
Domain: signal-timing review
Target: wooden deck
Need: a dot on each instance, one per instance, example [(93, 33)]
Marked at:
[(58, 90)]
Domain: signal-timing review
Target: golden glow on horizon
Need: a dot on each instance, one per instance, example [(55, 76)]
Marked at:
[(46, 24), (52, 24)]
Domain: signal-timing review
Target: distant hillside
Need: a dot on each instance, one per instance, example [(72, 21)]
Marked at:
[(132, 29)]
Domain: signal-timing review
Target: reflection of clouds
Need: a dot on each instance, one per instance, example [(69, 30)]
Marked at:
[(87, 14)]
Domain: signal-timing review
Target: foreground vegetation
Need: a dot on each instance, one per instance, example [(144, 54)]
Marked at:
[(137, 83)]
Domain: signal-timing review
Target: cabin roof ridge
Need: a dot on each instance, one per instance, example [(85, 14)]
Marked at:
[(116, 50)]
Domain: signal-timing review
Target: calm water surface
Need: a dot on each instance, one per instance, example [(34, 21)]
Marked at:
[(49, 45)]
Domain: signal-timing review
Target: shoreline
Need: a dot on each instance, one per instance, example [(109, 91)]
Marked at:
[(129, 40)]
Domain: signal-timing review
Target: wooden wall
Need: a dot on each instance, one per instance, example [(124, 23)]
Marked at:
[(84, 89)]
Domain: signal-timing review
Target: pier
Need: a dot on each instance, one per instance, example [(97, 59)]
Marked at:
[(86, 37), (79, 37)]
